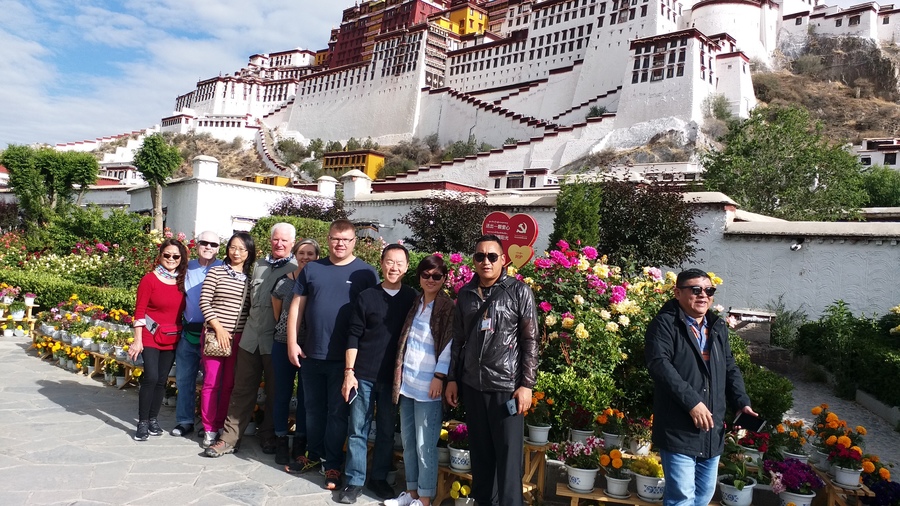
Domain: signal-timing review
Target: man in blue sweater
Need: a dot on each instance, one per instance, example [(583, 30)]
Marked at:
[(375, 328)]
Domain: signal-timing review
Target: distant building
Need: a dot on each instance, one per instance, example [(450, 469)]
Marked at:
[(365, 160), (878, 152)]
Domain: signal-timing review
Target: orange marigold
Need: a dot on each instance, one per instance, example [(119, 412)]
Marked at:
[(868, 467), (794, 434), (601, 419), (884, 473), (816, 410), (549, 401), (604, 460), (615, 453), (780, 428), (831, 440), (810, 432), (617, 463), (861, 430), (831, 417), (538, 396), (608, 411), (856, 449), (844, 441), (832, 424)]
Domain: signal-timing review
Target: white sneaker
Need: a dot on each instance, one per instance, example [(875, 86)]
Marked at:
[(209, 438), (403, 499)]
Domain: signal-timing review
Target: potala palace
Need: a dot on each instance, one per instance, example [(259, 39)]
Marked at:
[(528, 70)]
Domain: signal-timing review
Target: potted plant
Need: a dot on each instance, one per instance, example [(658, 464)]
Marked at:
[(793, 481), (29, 298), (582, 462), (8, 327), (734, 482), (788, 440), (8, 293), (638, 434), (538, 418), (579, 422), (615, 467), (17, 310), (754, 444), (111, 368), (459, 492), (847, 462), (612, 424), (648, 474), (86, 362), (459, 448), (443, 451)]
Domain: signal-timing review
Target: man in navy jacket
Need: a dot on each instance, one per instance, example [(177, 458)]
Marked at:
[(694, 375)]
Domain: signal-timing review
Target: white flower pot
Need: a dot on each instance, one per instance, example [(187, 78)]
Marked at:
[(731, 496), (610, 440), (460, 460), (538, 435), (581, 480), (120, 381), (104, 348), (95, 346), (650, 489), (443, 456), (579, 436), (754, 455), (798, 499), (18, 315), (464, 501), (7, 300), (822, 463), (617, 487), (802, 457), (29, 301), (7, 332), (639, 449), (66, 338), (847, 477), (87, 342)]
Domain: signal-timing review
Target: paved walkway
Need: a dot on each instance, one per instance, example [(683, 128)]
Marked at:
[(66, 439)]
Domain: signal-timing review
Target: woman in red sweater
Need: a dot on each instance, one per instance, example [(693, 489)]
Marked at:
[(157, 327)]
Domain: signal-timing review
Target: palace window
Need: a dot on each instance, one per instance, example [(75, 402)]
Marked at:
[(854, 20), (890, 158), (798, 21), (839, 22)]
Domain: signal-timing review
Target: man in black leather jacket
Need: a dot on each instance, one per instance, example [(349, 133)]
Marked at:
[(694, 375), (495, 356)]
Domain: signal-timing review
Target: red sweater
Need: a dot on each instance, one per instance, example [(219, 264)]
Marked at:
[(164, 303)]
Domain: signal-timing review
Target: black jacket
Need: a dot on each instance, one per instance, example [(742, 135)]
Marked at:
[(505, 357), (681, 379)]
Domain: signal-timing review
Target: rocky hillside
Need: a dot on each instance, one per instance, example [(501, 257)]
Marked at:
[(236, 159)]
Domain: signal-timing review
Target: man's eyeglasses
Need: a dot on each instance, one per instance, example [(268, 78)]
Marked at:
[(697, 290), (341, 240), (437, 276), (208, 244), (479, 257), (167, 256), (391, 263)]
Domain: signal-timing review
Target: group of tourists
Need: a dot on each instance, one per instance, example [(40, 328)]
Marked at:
[(352, 350)]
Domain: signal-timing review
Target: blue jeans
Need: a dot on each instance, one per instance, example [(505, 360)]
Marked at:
[(690, 481), (187, 363), (420, 424), (326, 411), (285, 373), (361, 413)]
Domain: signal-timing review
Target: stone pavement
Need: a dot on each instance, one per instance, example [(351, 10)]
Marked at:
[(66, 439)]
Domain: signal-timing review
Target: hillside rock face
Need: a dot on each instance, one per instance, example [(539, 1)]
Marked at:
[(859, 62)]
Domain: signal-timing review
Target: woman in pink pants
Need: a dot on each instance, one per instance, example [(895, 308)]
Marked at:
[(225, 302)]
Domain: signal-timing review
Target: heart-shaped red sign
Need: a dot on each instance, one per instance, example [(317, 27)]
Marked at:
[(519, 230)]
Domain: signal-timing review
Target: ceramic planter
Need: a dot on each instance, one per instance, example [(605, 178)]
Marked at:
[(731, 496), (798, 499), (847, 477), (460, 460), (802, 457), (649, 488), (581, 480), (610, 440), (579, 436), (753, 454), (639, 449), (538, 435), (443, 456), (617, 487)]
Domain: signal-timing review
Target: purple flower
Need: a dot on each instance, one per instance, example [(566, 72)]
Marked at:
[(543, 263), (102, 247), (617, 294), (589, 252), (563, 245), (559, 258), (456, 258), (545, 306)]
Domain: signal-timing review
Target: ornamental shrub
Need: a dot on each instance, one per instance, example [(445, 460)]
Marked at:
[(51, 289), (446, 222), (578, 213), (771, 395)]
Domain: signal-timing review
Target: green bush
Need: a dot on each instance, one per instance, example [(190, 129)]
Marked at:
[(578, 213), (594, 393), (91, 224), (51, 290), (771, 395), (879, 368), (787, 323)]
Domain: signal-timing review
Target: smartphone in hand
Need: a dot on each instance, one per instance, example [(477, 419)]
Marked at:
[(512, 407), (749, 422), (352, 396)]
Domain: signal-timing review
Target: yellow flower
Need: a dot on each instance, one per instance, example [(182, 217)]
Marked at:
[(512, 271), (612, 327), (550, 320), (553, 335), (583, 264), (578, 299), (624, 321), (568, 323), (580, 332), (605, 314), (137, 372), (601, 271), (615, 453), (444, 434), (715, 280)]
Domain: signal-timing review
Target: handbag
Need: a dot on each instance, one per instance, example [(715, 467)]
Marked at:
[(211, 346), (166, 335)]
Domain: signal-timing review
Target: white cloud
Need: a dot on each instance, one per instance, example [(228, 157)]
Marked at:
[(102, 68)]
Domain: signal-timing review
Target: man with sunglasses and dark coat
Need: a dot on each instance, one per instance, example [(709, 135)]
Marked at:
[(694, 375), (493, 364)]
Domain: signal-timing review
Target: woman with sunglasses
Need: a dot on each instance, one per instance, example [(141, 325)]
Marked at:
[(286, 374), (157, 327), (225, 303), (423, 358)]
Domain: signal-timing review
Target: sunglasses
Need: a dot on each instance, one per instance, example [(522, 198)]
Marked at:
[(437, 276), (208, 244), (697, 290), (173, 257), (479, 257)]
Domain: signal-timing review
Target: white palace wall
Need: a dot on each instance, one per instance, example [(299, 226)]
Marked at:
[(753, 27)]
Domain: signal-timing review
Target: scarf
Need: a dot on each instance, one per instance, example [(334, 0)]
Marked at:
[(162, 271), (278, 262), (240, 276)]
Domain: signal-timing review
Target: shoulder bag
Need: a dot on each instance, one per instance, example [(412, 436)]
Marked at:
[(211, 346)]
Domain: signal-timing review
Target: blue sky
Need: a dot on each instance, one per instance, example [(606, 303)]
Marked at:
[(75, 70)]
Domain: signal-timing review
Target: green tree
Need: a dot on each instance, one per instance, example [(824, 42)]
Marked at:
[(370, 144), (882, 186), (778, 163), (577, 213), (45, 180), (292, 151), (446, 222), (646, 226), (316, 147), (353, 144), (333, 146), (156, 160)]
